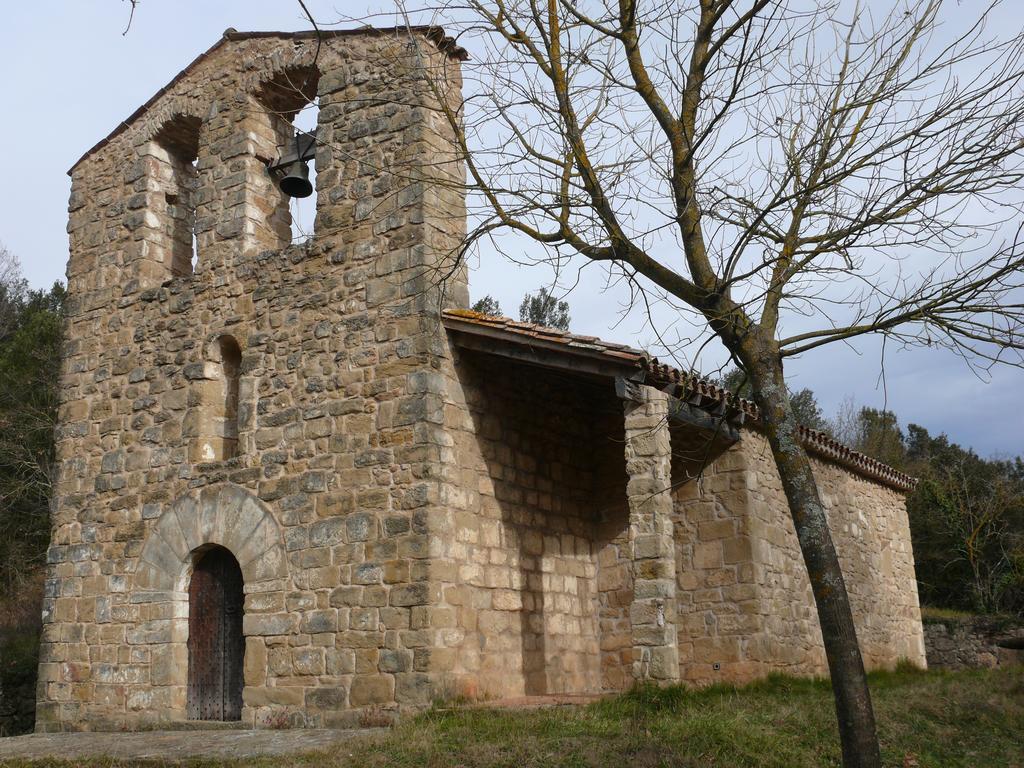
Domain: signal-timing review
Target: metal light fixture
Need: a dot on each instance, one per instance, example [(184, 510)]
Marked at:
[(290, 170)]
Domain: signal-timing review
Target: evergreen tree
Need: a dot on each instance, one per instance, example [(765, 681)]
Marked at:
[(542, 308), (803, 401), (29, 368), (488, 305), (30, 339)]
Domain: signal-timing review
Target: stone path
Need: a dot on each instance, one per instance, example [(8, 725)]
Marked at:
[(221, 742), (174, 745)]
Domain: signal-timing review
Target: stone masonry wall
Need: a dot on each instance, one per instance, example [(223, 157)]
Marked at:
[(720, 613), (749, 602), (650, 544), (974, 642), (329, 503), (542, 484)]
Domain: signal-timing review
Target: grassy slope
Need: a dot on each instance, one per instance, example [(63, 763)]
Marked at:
[(973, 718)]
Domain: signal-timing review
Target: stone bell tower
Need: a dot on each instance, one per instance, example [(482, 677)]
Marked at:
[(251, 449)]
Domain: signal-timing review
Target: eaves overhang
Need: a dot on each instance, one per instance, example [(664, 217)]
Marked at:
[(593, 357)]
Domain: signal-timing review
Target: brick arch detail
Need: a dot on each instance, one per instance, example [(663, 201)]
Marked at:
[(226, 515)]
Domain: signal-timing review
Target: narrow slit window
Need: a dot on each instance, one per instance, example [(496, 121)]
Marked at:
[(230, 365), (214, 418)]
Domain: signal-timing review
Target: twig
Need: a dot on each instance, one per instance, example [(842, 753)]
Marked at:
[(130, 16)]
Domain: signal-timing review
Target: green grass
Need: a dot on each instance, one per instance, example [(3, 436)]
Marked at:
[(932, 613), (971, 718)]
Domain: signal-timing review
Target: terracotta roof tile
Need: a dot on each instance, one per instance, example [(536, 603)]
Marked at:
[(691, 387), (550, 335)]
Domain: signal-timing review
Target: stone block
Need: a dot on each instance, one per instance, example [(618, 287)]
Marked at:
[(708, 555), (327, 697), (269, 624), (264, 696), (412, 594), (256, 661), (737, 550), (395, 661), (308, 661), (716, 529), (372, 689)]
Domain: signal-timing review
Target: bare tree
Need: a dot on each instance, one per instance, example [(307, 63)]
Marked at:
[(787, 175), (12, 290), (974, 503)]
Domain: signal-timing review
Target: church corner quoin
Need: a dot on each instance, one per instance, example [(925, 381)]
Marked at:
[(298, 482)]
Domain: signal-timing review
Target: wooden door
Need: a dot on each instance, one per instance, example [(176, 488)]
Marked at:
[(216, 647)]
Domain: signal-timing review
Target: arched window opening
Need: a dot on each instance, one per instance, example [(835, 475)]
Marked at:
[(290, 99), (178, 178), (215, 406), (229, 357), (303, 210), (216, 645), (231, 364)]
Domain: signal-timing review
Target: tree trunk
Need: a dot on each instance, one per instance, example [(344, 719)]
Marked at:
[(849, 680)]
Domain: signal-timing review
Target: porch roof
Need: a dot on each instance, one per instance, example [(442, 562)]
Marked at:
[(591, 356)]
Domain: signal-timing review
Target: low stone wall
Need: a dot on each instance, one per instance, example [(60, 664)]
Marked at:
[(980, 641)]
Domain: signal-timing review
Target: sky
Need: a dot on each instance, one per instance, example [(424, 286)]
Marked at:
[(68, 76)]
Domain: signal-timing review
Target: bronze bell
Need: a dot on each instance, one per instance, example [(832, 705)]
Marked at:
[(295, 182)]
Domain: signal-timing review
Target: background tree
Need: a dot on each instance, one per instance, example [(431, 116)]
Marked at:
[(966, 514), (788, 175), (12, 290), (967, 522), (30, 338), (541, 308), (872, 431), (488, 305)]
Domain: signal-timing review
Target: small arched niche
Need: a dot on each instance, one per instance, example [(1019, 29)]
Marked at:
[(215, 402)]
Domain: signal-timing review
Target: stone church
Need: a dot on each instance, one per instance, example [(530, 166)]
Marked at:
[(303, 484)]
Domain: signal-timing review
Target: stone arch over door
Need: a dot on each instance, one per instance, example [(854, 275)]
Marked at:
[(224, 515), (218, 517)]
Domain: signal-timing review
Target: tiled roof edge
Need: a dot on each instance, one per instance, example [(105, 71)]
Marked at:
[(816, 442), (551, 337), (693, 388)]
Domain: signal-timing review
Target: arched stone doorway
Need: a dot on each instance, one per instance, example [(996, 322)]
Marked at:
[(216, 646), (221, 516)]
